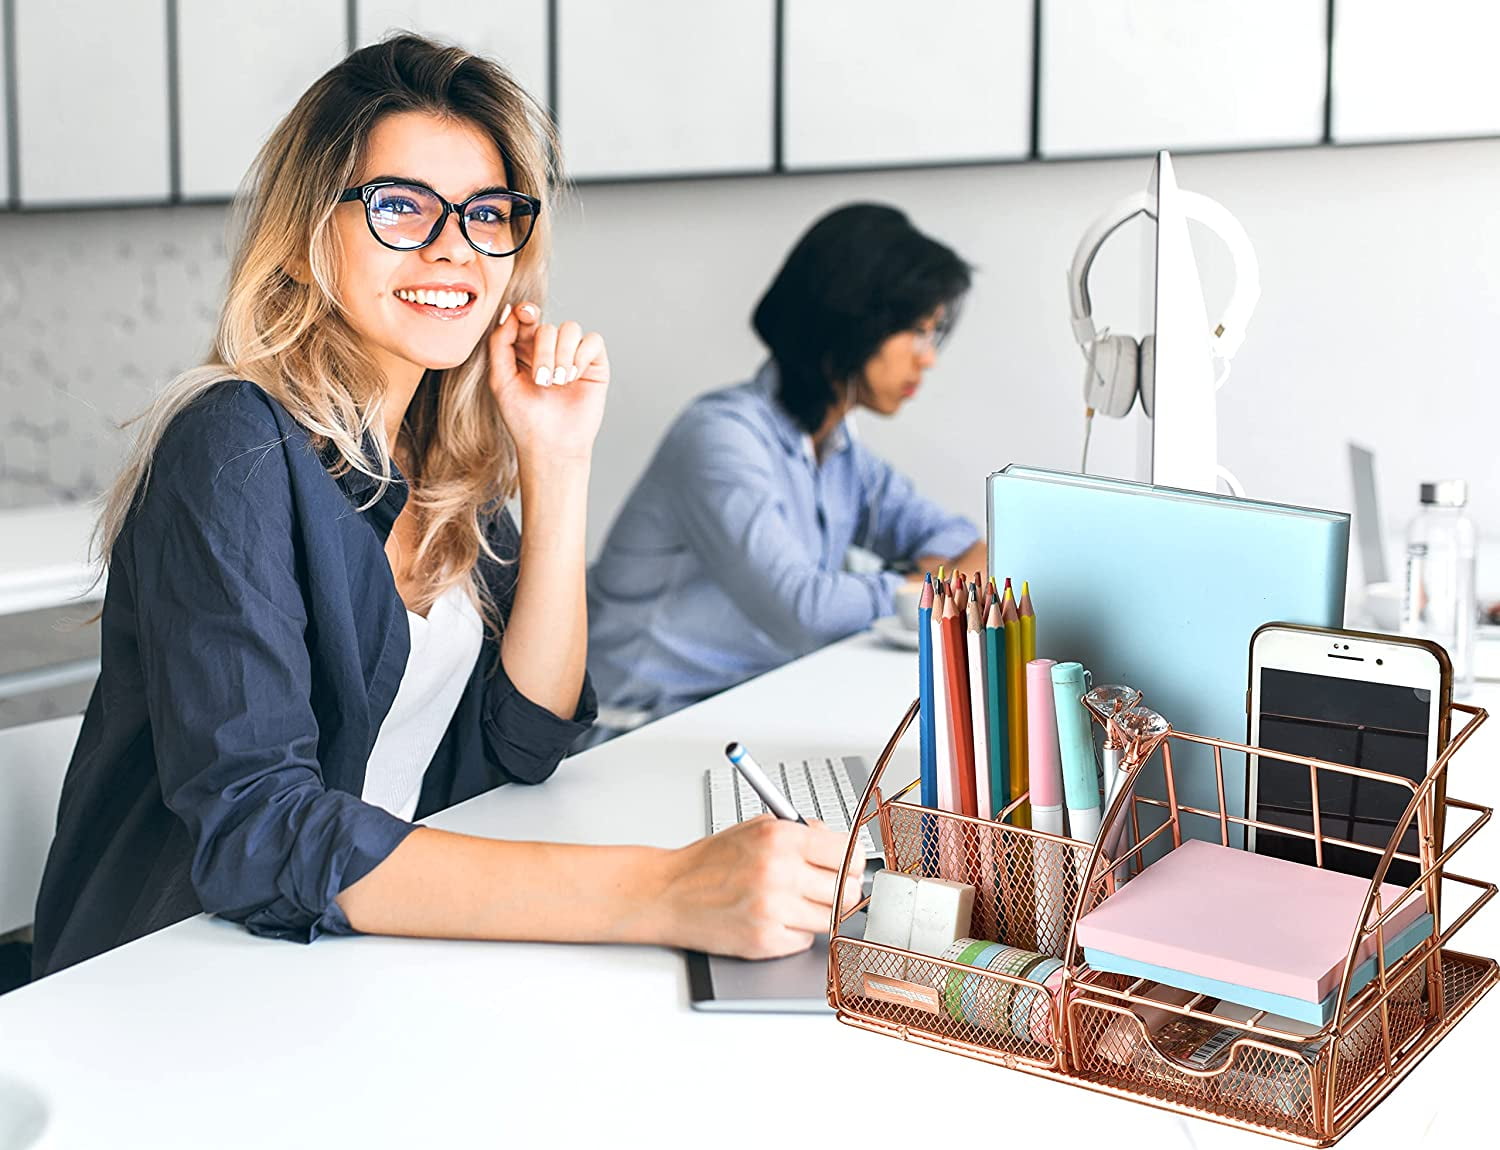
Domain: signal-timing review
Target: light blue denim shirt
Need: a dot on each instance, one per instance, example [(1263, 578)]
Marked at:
[(727, 558)]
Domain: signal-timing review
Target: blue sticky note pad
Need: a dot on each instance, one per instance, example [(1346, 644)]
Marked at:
[(1162, 589), (1314, 1013)]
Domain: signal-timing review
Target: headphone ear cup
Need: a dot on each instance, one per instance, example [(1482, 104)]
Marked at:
[(1111, 386), (1148, 375)]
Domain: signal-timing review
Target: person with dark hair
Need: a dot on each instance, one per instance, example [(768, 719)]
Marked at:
[(728, 557)]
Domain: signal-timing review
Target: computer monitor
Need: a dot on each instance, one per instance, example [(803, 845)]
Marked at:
[(1184, 444)]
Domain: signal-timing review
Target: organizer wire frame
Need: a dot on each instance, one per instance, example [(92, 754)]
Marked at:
[(1088, 1028)]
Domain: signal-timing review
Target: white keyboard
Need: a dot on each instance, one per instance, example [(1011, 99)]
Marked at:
[(818, 789)]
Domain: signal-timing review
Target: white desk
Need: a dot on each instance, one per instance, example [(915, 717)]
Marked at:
[(204, 1036)]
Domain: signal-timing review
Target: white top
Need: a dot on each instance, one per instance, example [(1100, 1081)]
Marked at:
[(599, 1040), (443, 649)]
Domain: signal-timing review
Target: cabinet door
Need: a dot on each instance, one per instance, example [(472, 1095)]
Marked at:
[(1132, 76), (5, 124), (869, 82), (674, 87), (240, 69), (514, 33), (1404, 71), (91, 101)]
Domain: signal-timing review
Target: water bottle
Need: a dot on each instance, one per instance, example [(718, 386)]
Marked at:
[(1439, 603)]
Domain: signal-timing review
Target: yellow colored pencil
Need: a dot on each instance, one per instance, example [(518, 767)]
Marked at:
[(1015, 683), (1028, 623)]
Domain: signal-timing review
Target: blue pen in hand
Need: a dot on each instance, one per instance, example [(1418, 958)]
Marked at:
[(778, 804)]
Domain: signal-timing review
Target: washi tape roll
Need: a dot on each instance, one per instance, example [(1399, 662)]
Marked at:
[(1014, 963), (1029, 1008), (976, 988), (954, 981)]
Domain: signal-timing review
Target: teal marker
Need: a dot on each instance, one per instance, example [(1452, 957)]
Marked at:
[(1076, 742)]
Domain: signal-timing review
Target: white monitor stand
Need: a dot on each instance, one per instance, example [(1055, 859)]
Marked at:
[(1184, 447)]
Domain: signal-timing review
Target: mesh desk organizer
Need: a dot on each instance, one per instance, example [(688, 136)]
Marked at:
[(1086, 1026)]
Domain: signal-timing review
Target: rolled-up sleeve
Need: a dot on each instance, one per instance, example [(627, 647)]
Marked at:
[(726, 503), (228, 682), (905, 524), (524, 739)]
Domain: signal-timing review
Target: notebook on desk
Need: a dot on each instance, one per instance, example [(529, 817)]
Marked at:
[(1162, 589)]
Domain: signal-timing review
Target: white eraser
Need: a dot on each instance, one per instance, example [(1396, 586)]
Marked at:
[(893, 898), (942, 913)]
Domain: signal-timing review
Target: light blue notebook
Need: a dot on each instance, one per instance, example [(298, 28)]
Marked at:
[(1162, 589)]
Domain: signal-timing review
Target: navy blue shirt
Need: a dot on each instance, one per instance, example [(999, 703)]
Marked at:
[(252, 644)]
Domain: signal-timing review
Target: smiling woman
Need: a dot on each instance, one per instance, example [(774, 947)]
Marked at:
[(322, 623)]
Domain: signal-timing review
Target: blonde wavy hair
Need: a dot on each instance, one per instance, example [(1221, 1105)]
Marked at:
[(293, 341)]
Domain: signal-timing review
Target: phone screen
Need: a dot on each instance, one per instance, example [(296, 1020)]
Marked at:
[(1379, 726)]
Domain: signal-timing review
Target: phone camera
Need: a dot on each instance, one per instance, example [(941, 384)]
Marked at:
[(1380, 662), (1346, 646)]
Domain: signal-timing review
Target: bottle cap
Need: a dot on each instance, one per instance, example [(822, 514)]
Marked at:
[(1446, 493)]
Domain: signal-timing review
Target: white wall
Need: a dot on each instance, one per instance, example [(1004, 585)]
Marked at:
[(1380, 298)]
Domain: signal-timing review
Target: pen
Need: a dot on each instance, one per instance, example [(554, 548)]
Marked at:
[(769, 793)]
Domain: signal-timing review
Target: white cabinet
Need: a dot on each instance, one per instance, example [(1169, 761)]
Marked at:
[(869, 82), (1130, 76), (1405, 71), (241, 68), (4, 116), (674, 87), (91, 101), (515, 32)]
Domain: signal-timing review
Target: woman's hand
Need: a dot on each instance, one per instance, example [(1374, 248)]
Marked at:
[(761, 889), (550, 382)]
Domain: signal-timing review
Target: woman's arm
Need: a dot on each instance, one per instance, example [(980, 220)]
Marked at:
[(726, 502), (550, 383), (545, 643), (757, 890)]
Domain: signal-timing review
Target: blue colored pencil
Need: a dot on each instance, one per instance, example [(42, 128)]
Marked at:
[(927, 724)]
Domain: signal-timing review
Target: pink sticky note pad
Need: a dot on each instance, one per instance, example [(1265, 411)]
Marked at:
[(1242, 918)]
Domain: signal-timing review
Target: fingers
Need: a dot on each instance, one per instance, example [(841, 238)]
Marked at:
[(504, 352), (569, 336), (590, 359), (818, 886), (823, 847), (550, 355)]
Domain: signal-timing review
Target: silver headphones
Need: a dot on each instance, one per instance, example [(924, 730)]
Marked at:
[(1119, 366)]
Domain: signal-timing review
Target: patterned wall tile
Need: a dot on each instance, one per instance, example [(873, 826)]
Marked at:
[(98, 309)]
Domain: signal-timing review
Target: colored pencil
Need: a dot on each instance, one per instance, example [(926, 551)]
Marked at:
[(1028, 623), (1015, 683), (974, 635), (998, 710), (960, 720), (928, 726)]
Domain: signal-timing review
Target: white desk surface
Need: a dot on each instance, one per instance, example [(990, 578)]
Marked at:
[(201, 1035), (46, 560)]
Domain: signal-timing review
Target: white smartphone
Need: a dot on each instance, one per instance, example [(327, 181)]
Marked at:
[(1360, 699)]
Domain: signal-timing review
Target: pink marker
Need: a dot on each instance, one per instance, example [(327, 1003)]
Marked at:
[(1043, 761), (1044, 764)]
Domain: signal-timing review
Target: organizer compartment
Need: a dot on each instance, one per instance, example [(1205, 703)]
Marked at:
[(1025, 883), (1031, 888)]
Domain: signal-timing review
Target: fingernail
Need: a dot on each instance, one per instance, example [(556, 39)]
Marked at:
[(543, 377), (530, 310), (560, 375), (505, 313), (574, 372)]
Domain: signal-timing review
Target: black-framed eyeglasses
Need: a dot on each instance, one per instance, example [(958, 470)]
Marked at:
[(406, 215)]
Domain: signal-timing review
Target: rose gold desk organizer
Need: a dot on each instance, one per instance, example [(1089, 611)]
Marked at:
[(1307, 1090)]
